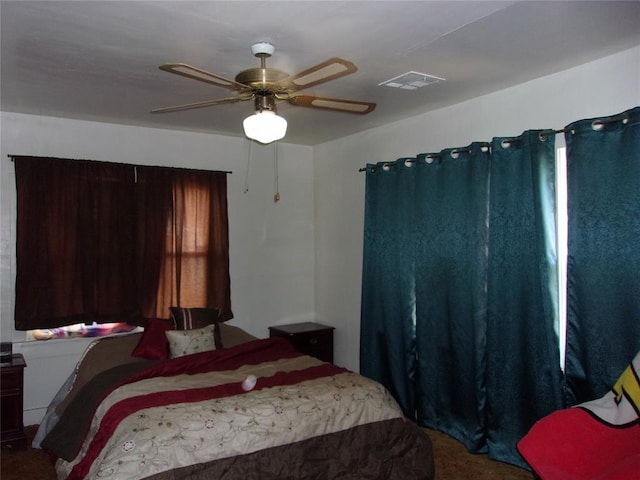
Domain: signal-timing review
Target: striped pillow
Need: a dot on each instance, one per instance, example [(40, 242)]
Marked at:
[(194, 318)]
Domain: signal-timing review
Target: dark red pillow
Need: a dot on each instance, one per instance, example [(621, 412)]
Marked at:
[(153, 344)]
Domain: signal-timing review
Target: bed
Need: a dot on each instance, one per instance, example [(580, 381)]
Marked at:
[(233, 407)]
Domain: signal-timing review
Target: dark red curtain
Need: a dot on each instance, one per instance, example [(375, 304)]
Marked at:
[(154, 202), (74, 242), (108, 242)]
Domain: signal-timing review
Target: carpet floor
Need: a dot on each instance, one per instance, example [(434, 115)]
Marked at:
[(452, 462)]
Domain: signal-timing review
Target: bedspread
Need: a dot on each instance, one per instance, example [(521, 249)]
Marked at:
[(192, 411)]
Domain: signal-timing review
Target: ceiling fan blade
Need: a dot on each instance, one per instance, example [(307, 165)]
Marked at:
[(323, 72), (335, 104), (202, 75), (207, 103)]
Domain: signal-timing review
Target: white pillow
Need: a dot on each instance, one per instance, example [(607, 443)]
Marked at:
[(186, 342)]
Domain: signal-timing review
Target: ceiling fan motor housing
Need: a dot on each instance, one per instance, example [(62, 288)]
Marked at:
[(262, 79)]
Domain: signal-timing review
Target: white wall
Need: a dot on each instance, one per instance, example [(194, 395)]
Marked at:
[(274, 278), (605, 87), (271, 244)]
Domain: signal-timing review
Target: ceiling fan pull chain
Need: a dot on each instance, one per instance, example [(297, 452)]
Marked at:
[(276, 197), (246, 175)]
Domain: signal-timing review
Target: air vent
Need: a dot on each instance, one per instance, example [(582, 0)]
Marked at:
[(411, 81)]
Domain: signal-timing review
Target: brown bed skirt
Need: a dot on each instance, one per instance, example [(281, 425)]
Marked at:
[(388, 450)]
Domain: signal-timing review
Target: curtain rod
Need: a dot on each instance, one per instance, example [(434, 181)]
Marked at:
[(13, 156), (596, 123), (623, 117)]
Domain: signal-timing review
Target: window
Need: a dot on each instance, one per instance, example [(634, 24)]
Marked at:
[(196, 241), (562, 234), (101, 242)]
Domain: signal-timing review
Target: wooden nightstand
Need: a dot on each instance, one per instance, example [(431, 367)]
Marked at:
[(309, 338), (11, 403)]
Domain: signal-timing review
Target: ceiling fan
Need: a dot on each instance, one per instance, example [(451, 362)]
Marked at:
[(266, 85)]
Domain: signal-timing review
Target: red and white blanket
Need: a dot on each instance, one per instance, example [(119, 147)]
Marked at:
[(192, 409), (596, 440)]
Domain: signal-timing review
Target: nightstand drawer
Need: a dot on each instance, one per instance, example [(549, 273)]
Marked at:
[(312, 340), (309, 338), (10, 380)]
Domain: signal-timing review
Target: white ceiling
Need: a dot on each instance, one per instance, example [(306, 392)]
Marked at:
[(98, 60)]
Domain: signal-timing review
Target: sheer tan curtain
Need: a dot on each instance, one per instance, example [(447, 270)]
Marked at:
[(195, 268)]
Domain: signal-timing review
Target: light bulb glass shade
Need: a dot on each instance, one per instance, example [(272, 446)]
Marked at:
[(265, 126)]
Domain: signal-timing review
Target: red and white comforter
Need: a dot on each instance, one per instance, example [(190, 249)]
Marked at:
[(192, 409)]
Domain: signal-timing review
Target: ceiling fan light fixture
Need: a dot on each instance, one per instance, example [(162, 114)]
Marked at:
[(265, 126)]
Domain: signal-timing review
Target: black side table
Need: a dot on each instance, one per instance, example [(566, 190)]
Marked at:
[(310, 338)]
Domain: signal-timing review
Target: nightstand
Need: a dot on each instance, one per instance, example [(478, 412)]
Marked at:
[(11, 403), (309, 338)]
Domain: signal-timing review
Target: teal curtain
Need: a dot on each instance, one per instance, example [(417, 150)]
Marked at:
[(460, 312), (523, 376), (451, 210), (603, 329), (387, 339), (458, 291)]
